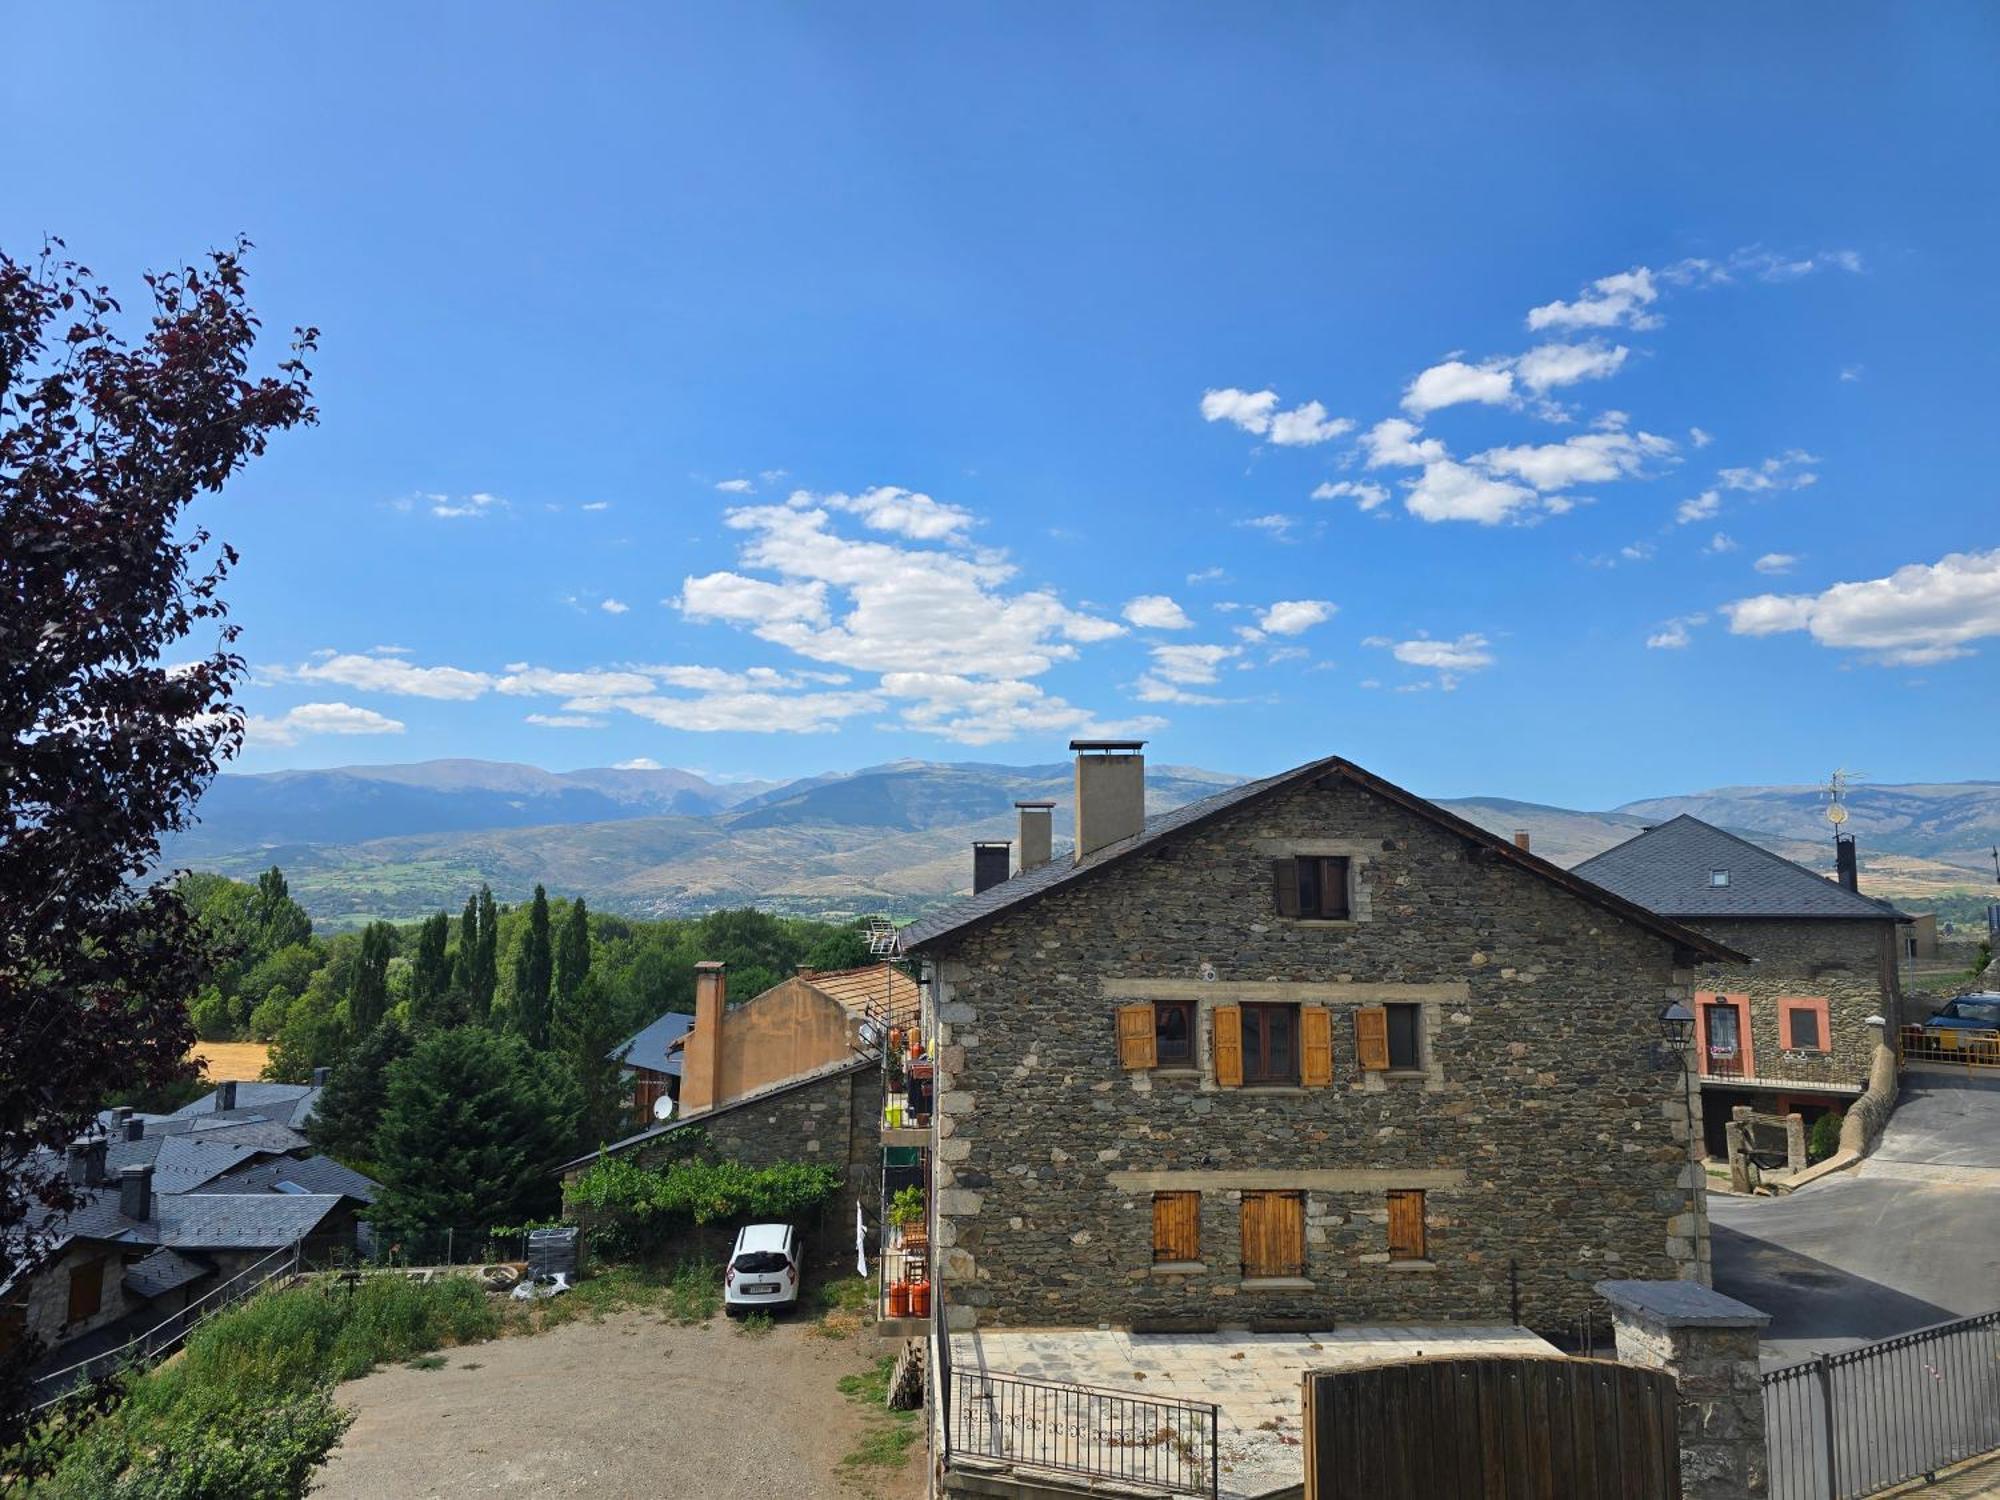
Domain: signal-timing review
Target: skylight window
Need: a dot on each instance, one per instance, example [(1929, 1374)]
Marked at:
[(1718, 877)]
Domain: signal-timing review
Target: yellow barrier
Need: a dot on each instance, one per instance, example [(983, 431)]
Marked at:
[(1972, 1049)]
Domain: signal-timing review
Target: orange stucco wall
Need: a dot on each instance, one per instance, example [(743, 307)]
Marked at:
[(789, 1029)]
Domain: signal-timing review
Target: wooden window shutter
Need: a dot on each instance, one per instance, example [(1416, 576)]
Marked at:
[(1176, 1226), (1285, 878), (1136, 1044), (1315, 1047), (1406, 1225), (1229, 1046), (1371, 1038), (1274, 1234), (86, 1290)]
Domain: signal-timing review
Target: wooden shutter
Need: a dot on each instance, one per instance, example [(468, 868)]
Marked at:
[(1229, 1046), (1371, 1038), (1285, 879), (86, 1290), (1176, 1226), (1406, 1225), (1315, 1047), (1333, 880), (1274, 1234), (1136, 1047)]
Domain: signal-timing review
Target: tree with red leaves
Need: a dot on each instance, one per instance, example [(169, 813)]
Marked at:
[(112, 720)]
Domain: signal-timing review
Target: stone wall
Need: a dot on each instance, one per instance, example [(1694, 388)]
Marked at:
[(47, 1305), (1550, 1142), (1852, 965)]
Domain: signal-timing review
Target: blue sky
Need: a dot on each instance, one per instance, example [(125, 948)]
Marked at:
[(1576, 405)]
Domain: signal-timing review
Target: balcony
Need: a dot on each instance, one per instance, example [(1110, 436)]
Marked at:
[(903, 1265)]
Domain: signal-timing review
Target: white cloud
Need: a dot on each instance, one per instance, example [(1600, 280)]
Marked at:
[(975, 712), (1449, 491), (1191, 664), (1775, 562), (1588, 458), (1548, 366), (1675, 634), (1274, 525), (294, 724), (595, 505), (736, 486), (1609, 302), (1919, 614), (752, 601), (1455, 383), (1250, 410), (1257, 412), (479, 504), (1850, 372), (1469, 653), (1304, 426), (614, 607), (638, 763), (1209, 575), (524, 681), (388, 674), (1156, 612), (1365, 495), (1394, 443), (1699, 438), (1721, 542), (1294, 616), (1151, 688), (1700, 508), (1788, 471), (746, 711), (890, 508), (564, 721)]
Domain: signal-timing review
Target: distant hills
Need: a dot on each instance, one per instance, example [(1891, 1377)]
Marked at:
[(359, 842)]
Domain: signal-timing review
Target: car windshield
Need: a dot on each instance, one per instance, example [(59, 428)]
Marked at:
[(1976, 1010), (760, 1262)]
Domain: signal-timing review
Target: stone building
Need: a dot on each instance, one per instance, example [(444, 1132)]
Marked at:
[(1799, 1030), (1312, 1051)]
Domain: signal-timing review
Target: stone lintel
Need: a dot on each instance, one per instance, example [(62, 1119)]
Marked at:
[(1679, 1304), (1280, 990), (1287, 1179)]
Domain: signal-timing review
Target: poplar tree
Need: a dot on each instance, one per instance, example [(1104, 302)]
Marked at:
[(572, 956), (533, 967), (368, 980)]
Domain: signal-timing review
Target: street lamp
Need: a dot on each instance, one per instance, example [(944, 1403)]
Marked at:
[(1676, 1025)]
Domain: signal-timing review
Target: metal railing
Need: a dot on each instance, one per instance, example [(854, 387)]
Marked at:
[(1076, 1429), (1853, 1423), (1971, 1049), (167, 1336)]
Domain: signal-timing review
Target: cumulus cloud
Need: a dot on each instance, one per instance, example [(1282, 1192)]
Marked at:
[(564, 721), (294, 724), (1454, 383), (736, 486), (1675, 634), (1307, 425), (614, 607), (390, 674), (1250, 410), (1395, 443), (905, 512), (1448, 659), (1588, 458), (1209, 575), (1547, 366), (1919, 614), (1775, 562), (1700, 508), (1721, 542), (1365, 495), (1609, 302), (1190, 663), (975, 712), (1156, 612), (460, 507), (1788, 471), (1256, 412), (1294, 616), (1699, 438), (637, 763), (1278, 527), (1450, 491), (524, 681)]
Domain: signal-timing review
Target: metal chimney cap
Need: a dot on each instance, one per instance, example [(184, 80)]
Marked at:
[(1038, 802), (1107, 745), (992, 843)]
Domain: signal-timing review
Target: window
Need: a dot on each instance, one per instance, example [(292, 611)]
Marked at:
[(1405, 1050), (1274, 1234), (86, 1290), (1718, 877), (1803, 1023), (1406, 1225), (1173, 1032), (1176, 1227), (1312, 886), (1803, 1035), (1270, 1044)]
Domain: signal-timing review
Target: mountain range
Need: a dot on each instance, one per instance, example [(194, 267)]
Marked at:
[(398, 841)]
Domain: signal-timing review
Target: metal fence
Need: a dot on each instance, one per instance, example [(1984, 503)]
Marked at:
[(1968, 1049), (167, 1336), (1853, 1423), (1075, 1429)]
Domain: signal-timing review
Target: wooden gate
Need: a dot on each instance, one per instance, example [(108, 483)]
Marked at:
[(1499, 1429)]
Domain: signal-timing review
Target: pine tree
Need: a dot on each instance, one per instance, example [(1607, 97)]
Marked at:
[(486, 958), (572, 956), (584, 1036), (533, 967), (350, 1108), (368, 980), (280, 922)]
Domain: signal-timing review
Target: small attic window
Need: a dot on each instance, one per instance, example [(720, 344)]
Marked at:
[(1718, 877)]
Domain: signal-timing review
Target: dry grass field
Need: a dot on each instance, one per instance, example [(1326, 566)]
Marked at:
[(239, 1060)]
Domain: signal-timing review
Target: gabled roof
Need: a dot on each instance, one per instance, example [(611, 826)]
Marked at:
[(205, 1221), (286, 1103), (164, 1271), (976, 911), (295, 1175), (180, 1163), (652, 1047), (1667, 870), (872, 988)]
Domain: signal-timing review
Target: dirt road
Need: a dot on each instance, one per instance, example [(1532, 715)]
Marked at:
[(630, 1406)]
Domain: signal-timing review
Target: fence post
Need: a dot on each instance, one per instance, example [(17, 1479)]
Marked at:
[(1823, 1371), (1214, 1451)]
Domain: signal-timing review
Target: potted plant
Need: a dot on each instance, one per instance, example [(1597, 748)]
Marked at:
[(906, 1212)]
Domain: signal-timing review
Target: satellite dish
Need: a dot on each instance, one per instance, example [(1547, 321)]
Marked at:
[(663, 1108), (1836, 815)]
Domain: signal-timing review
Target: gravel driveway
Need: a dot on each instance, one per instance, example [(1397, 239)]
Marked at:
[(630, 1406)]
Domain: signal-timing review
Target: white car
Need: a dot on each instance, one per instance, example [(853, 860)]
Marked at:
[(763, 1269)]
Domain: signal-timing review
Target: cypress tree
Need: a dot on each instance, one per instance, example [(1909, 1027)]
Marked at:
[(344, 1121), (533, 967)]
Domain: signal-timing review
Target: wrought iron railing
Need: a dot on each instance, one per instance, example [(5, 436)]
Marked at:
[(1077, 1429), (1850, 1424)]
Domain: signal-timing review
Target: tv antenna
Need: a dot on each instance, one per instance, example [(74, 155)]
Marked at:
[(882, 937), (1836, 790)]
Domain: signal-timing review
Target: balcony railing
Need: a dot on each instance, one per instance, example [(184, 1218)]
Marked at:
[(1722, 1062)]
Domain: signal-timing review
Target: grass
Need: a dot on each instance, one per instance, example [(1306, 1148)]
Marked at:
[(887, 1435), (844, 1307), (687, 1293), (755, 1324), (426, 1362)]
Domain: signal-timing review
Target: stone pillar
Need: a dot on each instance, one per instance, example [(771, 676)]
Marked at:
[(1795, 1143), (1708, 1343)]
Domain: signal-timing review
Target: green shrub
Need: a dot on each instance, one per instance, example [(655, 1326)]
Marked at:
[(202, 1449), (1825, 1137), (633, 1208)]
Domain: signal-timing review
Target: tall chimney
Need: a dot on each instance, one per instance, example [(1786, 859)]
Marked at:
[(76, 1163), (1036, 833), (1521, 840), (992, 863), (1110, 792), (118, 1118), (225, 1095), (135, 1193), (135, 1130), (701, 1056), (1843, 859), (95, 1151)]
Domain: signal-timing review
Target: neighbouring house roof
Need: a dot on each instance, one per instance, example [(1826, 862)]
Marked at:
[(286, 1103), (180, 1163), (205, 1221), (652, 1047), (165, 1271), (873, 989), (976, 911), (265, 1135), (1667, 870), (760, 1096), (296, 1175)]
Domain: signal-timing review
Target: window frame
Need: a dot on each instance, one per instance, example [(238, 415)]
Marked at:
[(1814, 1005), (1256, 1059), (1718, 878), (1188, 1011), (1172, 1254), (1415, 1013), (1326, 873)]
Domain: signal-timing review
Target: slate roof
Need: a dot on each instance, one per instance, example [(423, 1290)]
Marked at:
[(312, 1174), (265, 1135), (649, 1046), (1666, 869), (164, 1271), (975, 911), (180, 1163), (205, 1221), (287, 1103)]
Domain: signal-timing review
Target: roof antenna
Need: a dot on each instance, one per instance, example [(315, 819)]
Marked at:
[(1836, 790)]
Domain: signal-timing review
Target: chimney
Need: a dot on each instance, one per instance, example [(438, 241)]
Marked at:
[(992, 863), (1843, 859), (76, 1163), (701, 1056), (1110, 792), (94, 1152), (1037, 839), (118, 1118), (320, 1076), (135, 1130), (135, 1193), (1521, 840), (225, 1095)]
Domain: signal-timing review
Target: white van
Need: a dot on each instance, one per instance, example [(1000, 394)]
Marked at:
[(763, 1269)]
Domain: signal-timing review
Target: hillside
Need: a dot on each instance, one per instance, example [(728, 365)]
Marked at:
[(891, 838)]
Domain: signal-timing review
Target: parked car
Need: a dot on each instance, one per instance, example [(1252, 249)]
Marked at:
[(1979, 1012), (763, 1269)]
